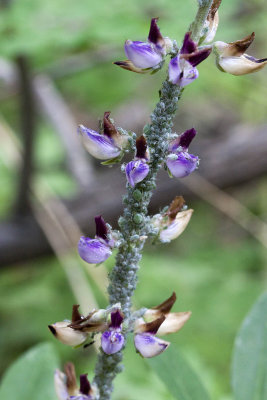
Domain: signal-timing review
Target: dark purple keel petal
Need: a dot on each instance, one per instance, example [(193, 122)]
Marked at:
[(154, 35), (85, 386), (196, 58), (112, 341), (116, 319), (189, 46), (99, 146), (183, 165), (141, 147), (93, 251), (142, 55), (187, 137), (101, 227), (136, 171), (149, 345), (183, 140)]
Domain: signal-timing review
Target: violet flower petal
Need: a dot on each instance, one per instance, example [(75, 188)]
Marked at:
[(149, 345), (136, 171), (184, 164), (93, 251), (143, 55), (112, 341), (181, 72), (99, 146)]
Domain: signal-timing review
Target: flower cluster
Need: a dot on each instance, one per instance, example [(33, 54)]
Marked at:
[(66, 385), (158, 320)]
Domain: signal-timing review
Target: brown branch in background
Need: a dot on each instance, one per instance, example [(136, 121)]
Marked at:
[(228, 205), (27, 112), (58, 113)]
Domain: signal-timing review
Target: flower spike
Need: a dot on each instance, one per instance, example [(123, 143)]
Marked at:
[(146, 56), (231, 57)]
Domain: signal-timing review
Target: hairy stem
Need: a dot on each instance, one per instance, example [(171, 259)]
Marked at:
[(134, 222)]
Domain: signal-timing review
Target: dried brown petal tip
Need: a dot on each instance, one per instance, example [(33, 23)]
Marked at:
[(175, 206), (166, 306), (239, 47), (129, 66), (152, 327), (76, 316), (71, 378), (214, 8), (109, 128)]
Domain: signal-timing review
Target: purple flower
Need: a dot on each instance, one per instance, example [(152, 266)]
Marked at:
[(179, 161), (137, 170), (112, 340), (146, 56), (103, 146), (95, 251), (182, 68), (182, 164)]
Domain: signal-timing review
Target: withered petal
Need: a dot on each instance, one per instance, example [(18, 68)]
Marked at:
[(166, 305)]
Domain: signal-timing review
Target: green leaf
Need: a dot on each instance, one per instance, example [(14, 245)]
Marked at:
[(31, 376), (182, 382), (249, 369)]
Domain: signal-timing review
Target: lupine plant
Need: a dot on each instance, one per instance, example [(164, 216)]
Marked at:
[(157, 147)]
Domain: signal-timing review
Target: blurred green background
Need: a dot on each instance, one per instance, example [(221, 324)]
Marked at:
[(216, 268)]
